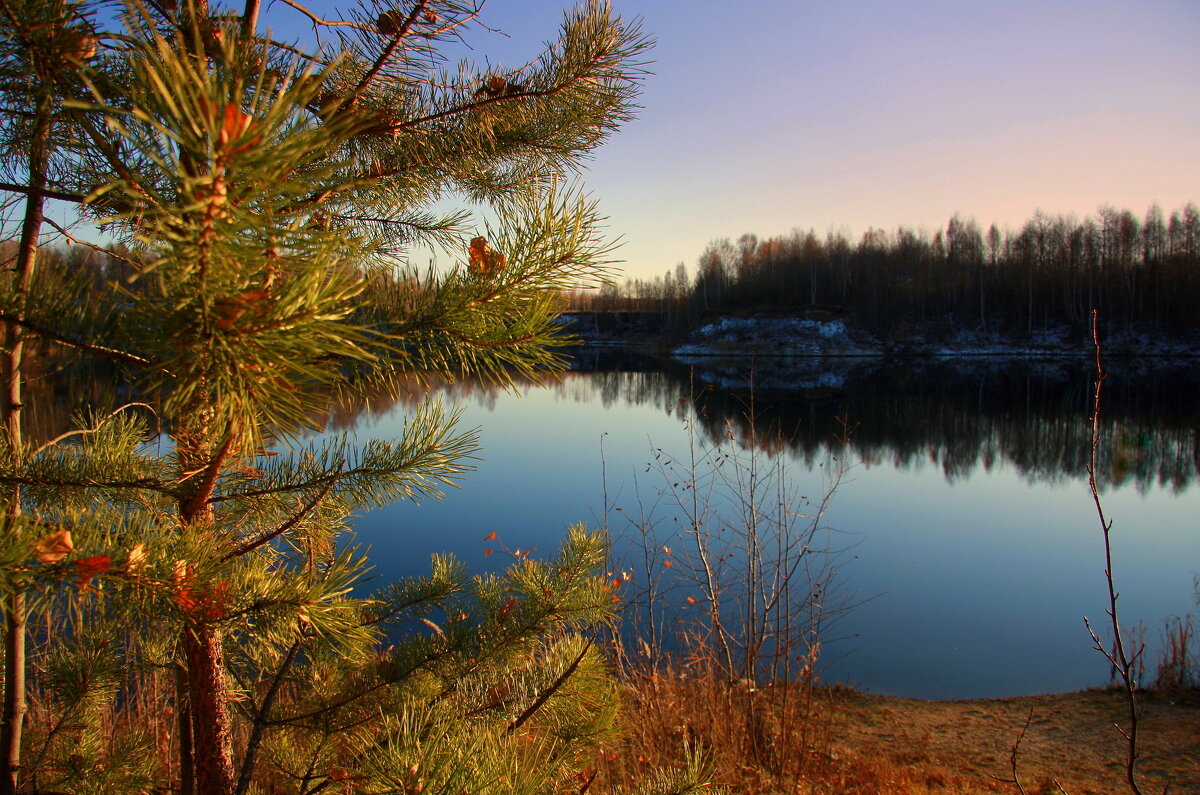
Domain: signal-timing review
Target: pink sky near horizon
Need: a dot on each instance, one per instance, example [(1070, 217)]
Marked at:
[(768, 115)]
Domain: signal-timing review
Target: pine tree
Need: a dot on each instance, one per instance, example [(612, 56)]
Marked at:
[(40, 43), (272, 197)]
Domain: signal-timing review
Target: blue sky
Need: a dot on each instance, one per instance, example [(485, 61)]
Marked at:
[(768, 115), (765, 116)]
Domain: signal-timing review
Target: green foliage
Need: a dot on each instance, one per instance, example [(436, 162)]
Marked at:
[(269, 197), (695, 778), (492, 696)]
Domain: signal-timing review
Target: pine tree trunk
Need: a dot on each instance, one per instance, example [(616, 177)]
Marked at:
[(183, 724), (12, 721), (209, 701), (14, 691), (210, 752)]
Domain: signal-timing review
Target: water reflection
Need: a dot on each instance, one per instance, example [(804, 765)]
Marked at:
[(981, 581), (965, 414), (959, 415)]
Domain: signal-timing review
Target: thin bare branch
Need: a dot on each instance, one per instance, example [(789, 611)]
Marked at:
[(328, 23), (1119, 657), (102, 351), (46, 193), (1014, 754)]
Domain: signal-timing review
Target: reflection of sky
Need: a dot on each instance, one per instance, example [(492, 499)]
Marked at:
[(985, 582), (980, 584)]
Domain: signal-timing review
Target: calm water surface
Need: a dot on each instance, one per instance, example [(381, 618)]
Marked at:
[(971, 538)]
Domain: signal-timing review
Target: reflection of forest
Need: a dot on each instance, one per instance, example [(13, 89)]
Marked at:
[(968, 413), (958, 414)]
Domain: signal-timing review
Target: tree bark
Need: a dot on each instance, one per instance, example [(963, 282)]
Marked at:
[(183, 723), (12, 721), (14, 692), (210, 750), (209, 701)]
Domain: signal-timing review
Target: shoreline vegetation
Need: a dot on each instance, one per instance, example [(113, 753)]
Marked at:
[(799, 335), (958, 290), (840, 740)]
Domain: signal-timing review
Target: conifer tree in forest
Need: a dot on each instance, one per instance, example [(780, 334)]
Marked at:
[(271, 194)]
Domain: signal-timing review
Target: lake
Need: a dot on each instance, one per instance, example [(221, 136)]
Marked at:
[(966, 545)]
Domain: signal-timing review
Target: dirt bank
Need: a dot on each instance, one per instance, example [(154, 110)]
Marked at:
[(1071, 739)]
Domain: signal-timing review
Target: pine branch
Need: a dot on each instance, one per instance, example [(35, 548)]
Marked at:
[(112, 354), (399, 608), (203, 490), (358, 695), (143, 484), (283, 528), (46, 193), (62, 437), (547, 692), (525, 93), (401, 34), (259, 720)]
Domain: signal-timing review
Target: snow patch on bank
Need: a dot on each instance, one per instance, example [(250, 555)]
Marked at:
[(775, 336), (798, 337)]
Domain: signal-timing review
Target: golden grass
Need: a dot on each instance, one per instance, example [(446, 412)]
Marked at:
[(777, 739), (806, 738)]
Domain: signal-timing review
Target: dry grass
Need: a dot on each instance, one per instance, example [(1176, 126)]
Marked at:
[(805, 738), (760, 740), (1176, 672), (775, 739)]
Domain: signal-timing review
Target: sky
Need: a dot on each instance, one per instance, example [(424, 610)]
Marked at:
[(765, 116), (768, 116)]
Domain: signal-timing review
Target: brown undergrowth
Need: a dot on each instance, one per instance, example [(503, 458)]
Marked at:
[(822, 740), (758, 739)]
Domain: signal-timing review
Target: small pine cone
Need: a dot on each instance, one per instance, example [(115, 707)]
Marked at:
[(214, 40), (81, 48), (390, 23), (496, 85)]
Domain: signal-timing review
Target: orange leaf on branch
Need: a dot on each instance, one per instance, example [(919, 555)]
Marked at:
[(87, 569), (199, 600), (234, 124), (507, 609), (483, 259), (54, 547)]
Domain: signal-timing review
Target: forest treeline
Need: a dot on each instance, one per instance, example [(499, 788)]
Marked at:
[(1054, 270)]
